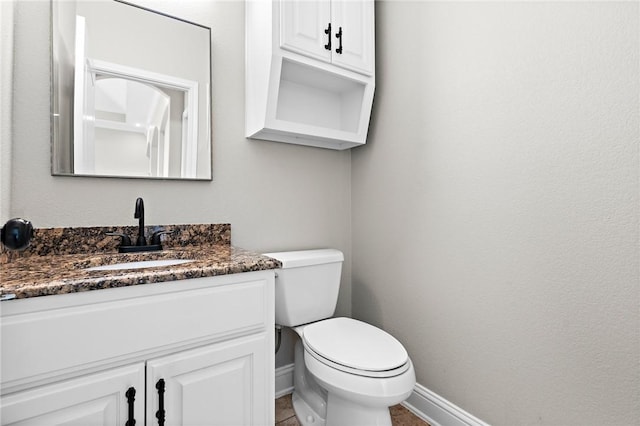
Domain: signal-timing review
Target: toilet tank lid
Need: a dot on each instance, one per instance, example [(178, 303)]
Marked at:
[(296, 259)]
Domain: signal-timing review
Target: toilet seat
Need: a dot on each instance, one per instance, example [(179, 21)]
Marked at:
[(355, 347)]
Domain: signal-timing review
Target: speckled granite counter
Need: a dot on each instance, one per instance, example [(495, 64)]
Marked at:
[(56, 268)]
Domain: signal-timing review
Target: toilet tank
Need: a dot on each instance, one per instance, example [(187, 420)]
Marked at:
[(307, 286)]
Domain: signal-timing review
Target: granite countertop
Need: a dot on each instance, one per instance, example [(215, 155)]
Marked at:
[(61, 272)]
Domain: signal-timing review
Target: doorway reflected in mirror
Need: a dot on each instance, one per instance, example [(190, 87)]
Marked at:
[(129, 101)]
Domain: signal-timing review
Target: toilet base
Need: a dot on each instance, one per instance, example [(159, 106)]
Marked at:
[(339, 409), (305, 414)]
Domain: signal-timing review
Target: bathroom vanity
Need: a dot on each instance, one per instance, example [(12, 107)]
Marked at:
[(194, 340)]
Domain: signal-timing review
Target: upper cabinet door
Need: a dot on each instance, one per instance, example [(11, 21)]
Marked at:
[(353, 30), (302, 27)]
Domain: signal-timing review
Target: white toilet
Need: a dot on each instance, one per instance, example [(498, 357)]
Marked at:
[(346, 372)]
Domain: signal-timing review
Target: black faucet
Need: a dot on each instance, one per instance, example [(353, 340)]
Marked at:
[(139, 214), (141, 242)]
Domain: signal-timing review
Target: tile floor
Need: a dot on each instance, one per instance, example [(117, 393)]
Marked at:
[(400, 416)]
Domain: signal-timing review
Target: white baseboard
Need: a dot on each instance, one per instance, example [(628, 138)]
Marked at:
[(437, 411), (284, 380), (424, 403)]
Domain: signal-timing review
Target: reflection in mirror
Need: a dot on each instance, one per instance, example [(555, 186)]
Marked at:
[(131, 100)]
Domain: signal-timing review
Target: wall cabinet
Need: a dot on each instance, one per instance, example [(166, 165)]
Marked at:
[(310, 71), (339, 32), (197, 351)]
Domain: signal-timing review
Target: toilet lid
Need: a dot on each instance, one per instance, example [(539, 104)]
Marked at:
[(355, 344)]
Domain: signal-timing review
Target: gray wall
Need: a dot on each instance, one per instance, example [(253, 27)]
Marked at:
[(276, 196), (495, 206)]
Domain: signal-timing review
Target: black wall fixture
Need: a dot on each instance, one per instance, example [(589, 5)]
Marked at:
[(16, 234)]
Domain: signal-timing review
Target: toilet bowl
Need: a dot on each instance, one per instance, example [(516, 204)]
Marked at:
[(347, 372), (363, 370)]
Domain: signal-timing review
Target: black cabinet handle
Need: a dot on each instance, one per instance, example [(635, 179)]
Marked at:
[(328, 32), (160, 412), (339, 37), (131, 396)]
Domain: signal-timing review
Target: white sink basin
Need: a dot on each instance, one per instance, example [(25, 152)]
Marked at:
[(140, 264)]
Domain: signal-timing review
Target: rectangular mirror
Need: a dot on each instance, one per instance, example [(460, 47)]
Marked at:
[(131, 92)]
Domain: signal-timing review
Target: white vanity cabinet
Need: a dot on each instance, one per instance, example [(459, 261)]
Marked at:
[(91, 399), (310, 71), (339, 31), (208, 342), (212, 385)]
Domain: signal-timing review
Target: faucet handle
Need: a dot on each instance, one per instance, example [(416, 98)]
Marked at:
[(155, 238), (126, 241)]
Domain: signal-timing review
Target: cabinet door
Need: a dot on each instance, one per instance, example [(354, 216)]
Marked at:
[(302, 27), (224, 384), (94, 399), (356, 20)]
